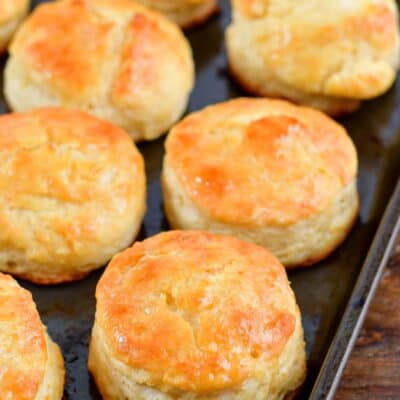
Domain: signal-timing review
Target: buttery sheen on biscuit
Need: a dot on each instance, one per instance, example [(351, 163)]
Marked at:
[(185, 13), (193, 315), (114, 59), (31, 365), (266, 171), (72, 194), (11, 14), (327, 54)]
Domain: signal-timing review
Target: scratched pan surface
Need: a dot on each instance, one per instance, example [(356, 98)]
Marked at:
[(323, 292)]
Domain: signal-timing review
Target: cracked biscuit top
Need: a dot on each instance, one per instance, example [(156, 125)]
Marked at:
[(116, 46), (114, 59), (260, 161), (344, 48), (195, 311), (70, 185)]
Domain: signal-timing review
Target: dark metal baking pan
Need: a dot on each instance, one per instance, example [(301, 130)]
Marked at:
[(333, 295)]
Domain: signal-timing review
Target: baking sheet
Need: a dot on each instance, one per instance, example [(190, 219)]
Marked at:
[(323, 292)]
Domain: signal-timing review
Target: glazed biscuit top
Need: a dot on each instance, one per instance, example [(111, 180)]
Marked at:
[(260, 161), (23, 353), (67, 182), (115, 49), (196, 311), (346, 48), (11, 8)]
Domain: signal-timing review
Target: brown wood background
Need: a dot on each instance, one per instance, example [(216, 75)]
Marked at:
[(373, 371)]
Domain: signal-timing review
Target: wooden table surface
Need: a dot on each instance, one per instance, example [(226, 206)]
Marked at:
[(373, 371)]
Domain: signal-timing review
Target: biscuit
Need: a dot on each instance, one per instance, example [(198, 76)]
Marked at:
[(72, 194), (266, 171), (31, 365), (185, 13), (193, 315), (12, 13), (329, 55), (118, 61)]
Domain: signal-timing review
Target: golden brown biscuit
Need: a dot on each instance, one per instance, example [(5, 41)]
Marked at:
[(185, 13), (196, 315), (11, 14), (266, 171), (118, 61), (31, 365), (327, 54), (72, 194)]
